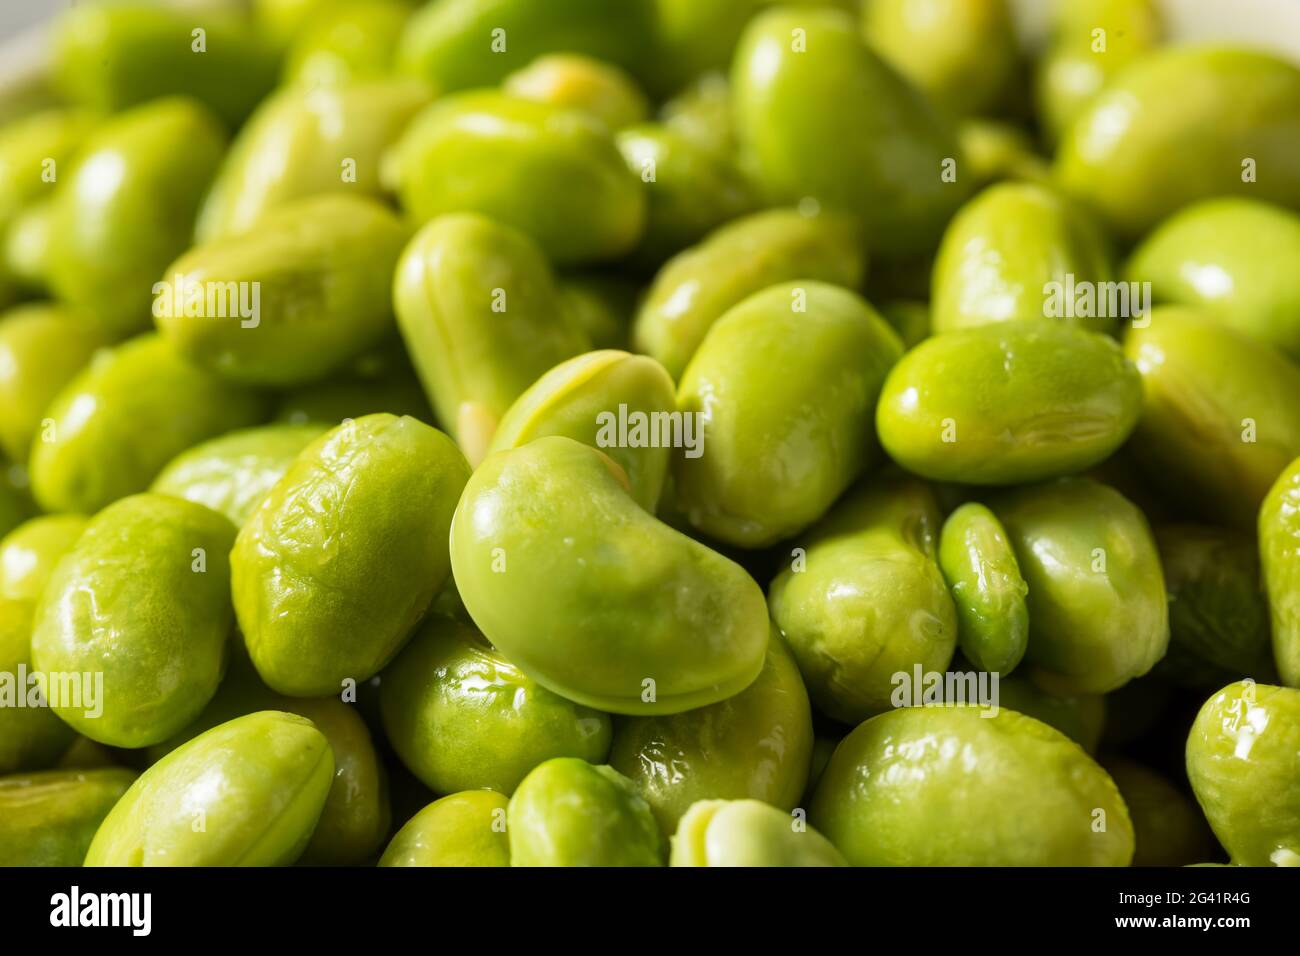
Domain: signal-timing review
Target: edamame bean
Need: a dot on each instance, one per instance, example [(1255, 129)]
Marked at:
[(1279, 535), (776, 450), (516, 161), (347, 44), (1008, 403), (481, 317), (1019, 251), (31, 736), (137, 616), (42, 348), (1098, 614), (26, 252), (748, 833), (246, 793), (1092, 41), (701, 284), (873, 147), (756, 744), (457, 44), (987, 588), (33, 149), (581, 83), (1219, 414), (903, 787), (1241, 762), (315, 271), (594, 598), (29, 553), (134, 408), (690, 189), (863, 599), (1229, 257), (127, 208), (355, 818), (569, 813), (962, 53), (462, 717), (1138, 151), (233, 474), (585, 398), (463, 829), (111, 56), (49, 819), (343, 557), (305, 143)]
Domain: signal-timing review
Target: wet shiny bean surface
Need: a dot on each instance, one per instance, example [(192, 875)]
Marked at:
[(648, 433)]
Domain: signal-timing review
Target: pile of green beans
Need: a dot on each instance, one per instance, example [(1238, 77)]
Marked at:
[(653, 432)]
